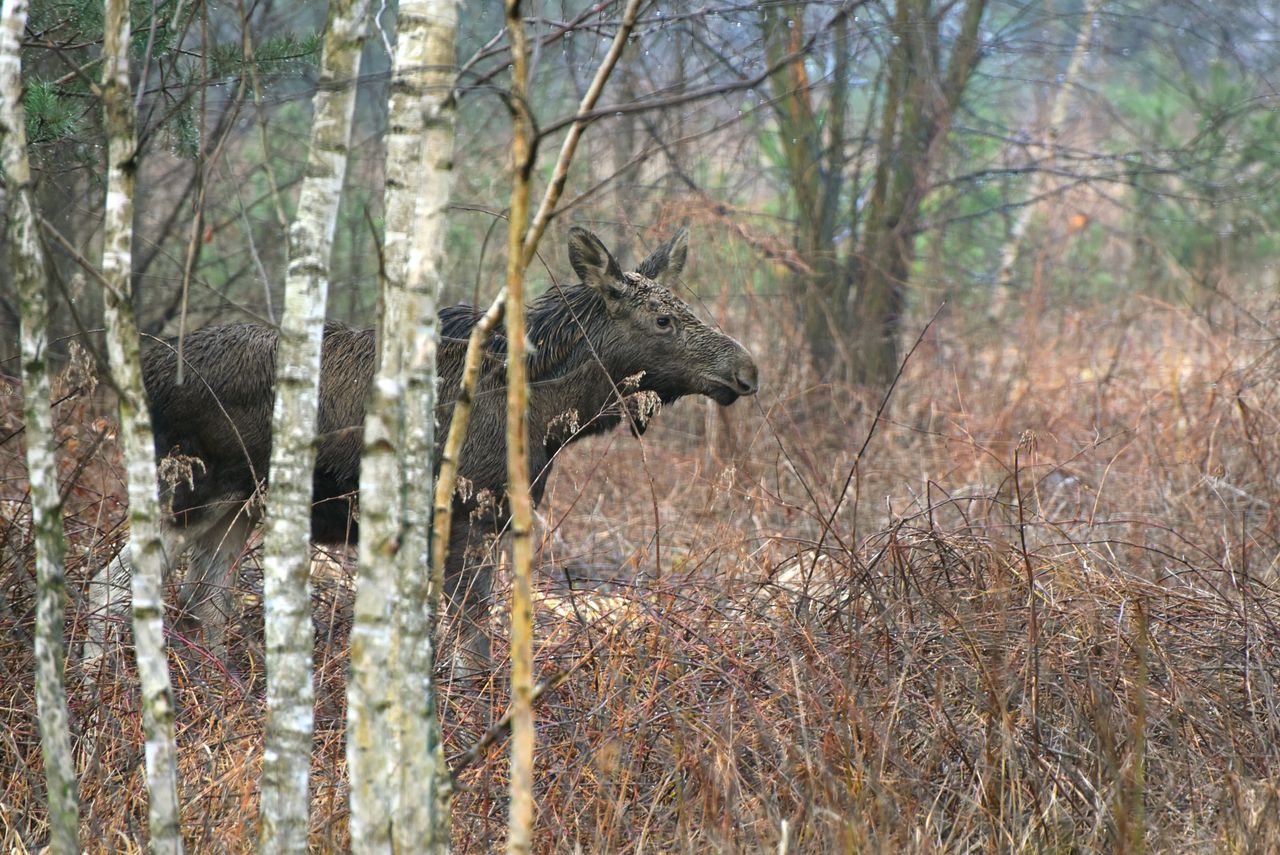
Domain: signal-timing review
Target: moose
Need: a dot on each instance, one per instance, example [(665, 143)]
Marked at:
[(602, 351)]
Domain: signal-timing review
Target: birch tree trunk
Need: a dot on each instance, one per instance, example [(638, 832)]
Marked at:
[(28, 267), (286, 757), (147, 548), (425, 788), (1057, 117), (520, 827), (400, 787)]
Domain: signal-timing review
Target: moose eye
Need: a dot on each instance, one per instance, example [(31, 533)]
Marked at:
[(664, 322)]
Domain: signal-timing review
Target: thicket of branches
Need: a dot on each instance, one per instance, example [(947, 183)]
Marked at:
[(873, 157)]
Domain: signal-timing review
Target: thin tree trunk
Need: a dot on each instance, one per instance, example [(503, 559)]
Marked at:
[(442, 513), (444, 487), (872, 258), (922, 99), (443, 505), (425, 787), (521, 246), (146, 545), (815, 171), (286, 542), (798, 133), (1037, 186), (28, 268), (401, 790), (521, 808)]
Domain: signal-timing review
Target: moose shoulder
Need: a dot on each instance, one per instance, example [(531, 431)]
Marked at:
[(605, 349)]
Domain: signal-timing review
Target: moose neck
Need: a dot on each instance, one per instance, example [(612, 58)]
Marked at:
[(572, 394), (563, 326)]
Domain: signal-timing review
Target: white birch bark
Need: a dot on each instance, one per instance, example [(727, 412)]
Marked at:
[(1038, 185), (425, 789), (27, 265), (147, 547), (400, 787), (286, 562)]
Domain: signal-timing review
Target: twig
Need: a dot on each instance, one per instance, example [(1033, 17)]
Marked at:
[(1033, 618), (853, 467), (442, 516), (463, 759), (554, 189), (697, 94)]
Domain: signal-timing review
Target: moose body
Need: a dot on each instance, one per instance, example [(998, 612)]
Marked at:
[(603, 350)]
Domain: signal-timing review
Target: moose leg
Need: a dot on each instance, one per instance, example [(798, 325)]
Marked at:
[(109, 598), (205, 594), (469, 585)]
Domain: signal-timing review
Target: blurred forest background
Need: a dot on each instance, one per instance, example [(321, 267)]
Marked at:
[(990, 563), (858, 163)]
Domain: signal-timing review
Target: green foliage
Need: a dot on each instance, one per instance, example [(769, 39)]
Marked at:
[(1083, 273), (170, 19), (769, 144), (163, 35), (285, 56), (976, 213), (1208, 178), (81, 22), (183, 131), (76, 18), (51, 117), (1199, 151)]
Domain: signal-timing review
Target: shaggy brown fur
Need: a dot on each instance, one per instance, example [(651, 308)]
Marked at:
[(598, 347)]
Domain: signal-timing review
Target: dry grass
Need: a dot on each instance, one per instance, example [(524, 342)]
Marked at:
[(1045, 618)]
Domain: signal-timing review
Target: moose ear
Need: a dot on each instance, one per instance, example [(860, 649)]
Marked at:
[(592, 262), (667, 261)]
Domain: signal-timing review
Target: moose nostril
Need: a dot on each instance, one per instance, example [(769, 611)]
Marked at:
[(747, 379)]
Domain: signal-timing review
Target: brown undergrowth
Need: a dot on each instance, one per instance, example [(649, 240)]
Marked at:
[(1045, 617)]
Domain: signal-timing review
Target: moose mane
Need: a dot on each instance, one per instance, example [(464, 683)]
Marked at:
[(554, 324)]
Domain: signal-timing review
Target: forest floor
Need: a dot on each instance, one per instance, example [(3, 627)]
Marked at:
[(1041, 612)]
